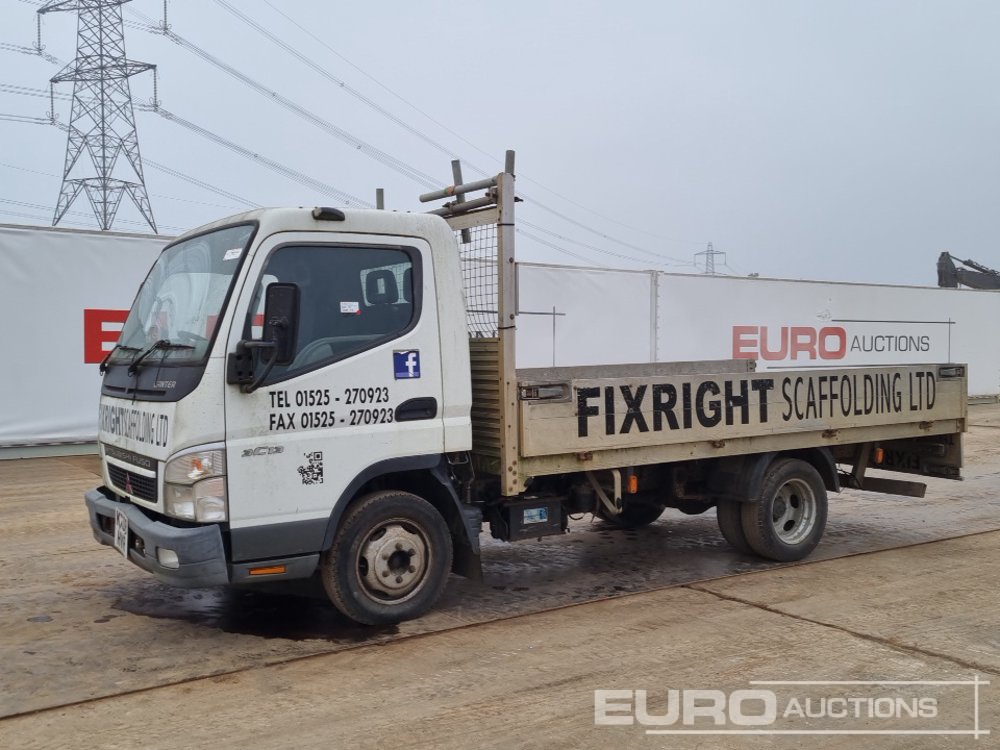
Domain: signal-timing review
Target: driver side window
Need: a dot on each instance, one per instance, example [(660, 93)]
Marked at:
[(350, 299)]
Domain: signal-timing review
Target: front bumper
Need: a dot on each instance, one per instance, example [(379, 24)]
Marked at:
[(200, 551)]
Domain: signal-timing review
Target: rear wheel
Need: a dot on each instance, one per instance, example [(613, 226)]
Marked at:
[(729, 514), (787, 519), (390, 559)]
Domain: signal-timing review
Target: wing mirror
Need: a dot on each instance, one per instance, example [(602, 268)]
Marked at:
[(281, 320), (277, 345)]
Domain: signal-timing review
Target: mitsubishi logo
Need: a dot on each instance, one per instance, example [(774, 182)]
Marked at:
[(128, 484)]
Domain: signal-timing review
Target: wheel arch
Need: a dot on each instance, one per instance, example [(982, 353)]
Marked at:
[(739, 478), (823, 461), (427, 477)]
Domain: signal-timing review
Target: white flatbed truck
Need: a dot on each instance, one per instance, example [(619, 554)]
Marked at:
[(319, 393)]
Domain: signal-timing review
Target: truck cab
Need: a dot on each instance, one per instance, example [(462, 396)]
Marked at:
[(228, 462)]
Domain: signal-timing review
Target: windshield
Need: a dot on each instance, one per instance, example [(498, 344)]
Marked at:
[(181, 300)]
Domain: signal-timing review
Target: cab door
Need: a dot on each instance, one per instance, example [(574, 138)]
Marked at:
[(364, 386)]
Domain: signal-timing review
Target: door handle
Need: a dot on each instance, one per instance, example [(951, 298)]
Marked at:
[(425, 407)]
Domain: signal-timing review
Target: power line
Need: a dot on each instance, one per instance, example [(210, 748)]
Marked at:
[(595, 248), (24, 118), (274, 166), (30, 51), (200, 183), (658, 256), (36, 217), (734, 270), (334, 191), (427, 181), (11, 88), (408, 103), (343, 85), (599, 215), (42, 207), (382, 157), (422, 177), (25, 169), (559, 248), (371, 151), (285, 171), (464, 140), (169, 171), (227, 206)]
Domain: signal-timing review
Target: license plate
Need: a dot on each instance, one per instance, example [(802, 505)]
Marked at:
[(121, 531)]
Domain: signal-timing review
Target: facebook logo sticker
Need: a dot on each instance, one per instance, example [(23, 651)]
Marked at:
[(406, 364)]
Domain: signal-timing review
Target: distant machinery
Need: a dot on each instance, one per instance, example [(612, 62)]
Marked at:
[(980, 277), (102, 121)]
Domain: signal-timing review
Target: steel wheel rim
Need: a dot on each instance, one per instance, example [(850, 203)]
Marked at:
[(793, 511), (393, 561)]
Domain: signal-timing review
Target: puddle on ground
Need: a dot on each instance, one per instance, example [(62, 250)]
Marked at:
[(593, 561), (295, 615)]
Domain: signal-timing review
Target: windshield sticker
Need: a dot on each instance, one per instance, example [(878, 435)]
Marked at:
[(350, 308), (233, 254)]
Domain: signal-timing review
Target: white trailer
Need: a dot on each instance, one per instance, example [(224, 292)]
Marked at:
[(316, 393)]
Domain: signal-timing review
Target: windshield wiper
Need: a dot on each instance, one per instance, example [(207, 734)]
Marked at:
[(103, 367), (161, 345)]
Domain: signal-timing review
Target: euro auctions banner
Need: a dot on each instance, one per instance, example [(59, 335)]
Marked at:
[(64, 295), (794, 324), (573, 316)]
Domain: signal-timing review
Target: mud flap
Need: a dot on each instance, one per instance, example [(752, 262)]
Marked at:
[(465, 562)]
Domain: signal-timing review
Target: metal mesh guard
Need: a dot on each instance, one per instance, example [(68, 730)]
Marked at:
[(479, 279)]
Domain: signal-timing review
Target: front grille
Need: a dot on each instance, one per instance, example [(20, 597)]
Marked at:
[(132, 483)]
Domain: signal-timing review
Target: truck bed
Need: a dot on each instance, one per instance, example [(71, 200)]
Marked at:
[(590, 418)]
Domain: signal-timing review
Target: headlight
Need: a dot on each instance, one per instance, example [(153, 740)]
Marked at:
[(190, 467), (194, 486)]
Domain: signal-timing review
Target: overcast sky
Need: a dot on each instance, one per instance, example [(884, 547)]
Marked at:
[(842, 140)]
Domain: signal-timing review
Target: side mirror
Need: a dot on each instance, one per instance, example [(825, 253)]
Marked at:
[(281, 320), (276, 347)]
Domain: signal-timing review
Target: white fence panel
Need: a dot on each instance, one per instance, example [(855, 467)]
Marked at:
[(583, 316), (65, 295), (608, 317)]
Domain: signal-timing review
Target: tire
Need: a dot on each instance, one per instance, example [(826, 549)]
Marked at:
[(729, 514), (633, 516), (786, 521), (390, 559), (691, 507)]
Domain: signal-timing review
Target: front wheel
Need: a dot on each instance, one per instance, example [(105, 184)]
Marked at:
[(390, 559), (787, 519)]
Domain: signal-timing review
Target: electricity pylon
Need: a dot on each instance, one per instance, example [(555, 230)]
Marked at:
[(102, 121), (710, 254)]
